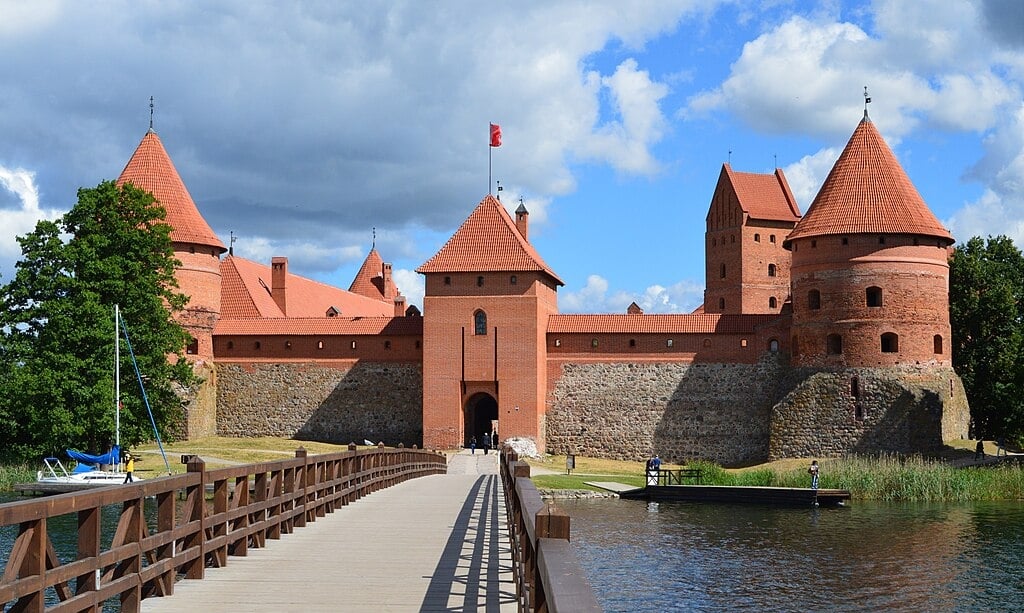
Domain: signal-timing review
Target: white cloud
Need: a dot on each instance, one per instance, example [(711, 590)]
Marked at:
[(411, 284), (806, 175), (682, 297), (21, 220)]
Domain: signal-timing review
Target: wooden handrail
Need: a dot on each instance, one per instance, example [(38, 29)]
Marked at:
[(191, 531), (547, 573)]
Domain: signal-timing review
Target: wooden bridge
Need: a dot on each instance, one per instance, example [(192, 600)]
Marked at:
[(305, 534)]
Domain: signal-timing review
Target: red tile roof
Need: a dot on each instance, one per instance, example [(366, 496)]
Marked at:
[(703, 323), (763, 196), (151, 169), (245, 293), (321, 326), (369, 281), (868, 192), (487, 241)]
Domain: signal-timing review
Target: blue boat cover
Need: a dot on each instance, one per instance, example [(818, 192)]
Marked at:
[(111, 457)]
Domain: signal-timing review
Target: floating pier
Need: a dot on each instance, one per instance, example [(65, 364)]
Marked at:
[(789, 496)]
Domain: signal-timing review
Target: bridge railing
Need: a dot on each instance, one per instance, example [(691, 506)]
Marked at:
[(201, 518), (547, 572)]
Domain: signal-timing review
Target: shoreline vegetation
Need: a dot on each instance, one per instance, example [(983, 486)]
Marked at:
[(887, 478)]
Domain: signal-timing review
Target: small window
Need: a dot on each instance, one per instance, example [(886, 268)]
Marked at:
[(814, 300), (669, 342), (834, 344), (257, 345), (721, 272), (192, 249), (593, 343), (743, 342), (881, 240), (480, 281), (732, 238), (721, 304), (480, 323), (771, 238), (632, 342), (874, 297), (447, 280), (937, 341), (855, 387), (772, 302), (846, 240), (387, 344), (771, 270), (757, 238), (513, 280), (287, 344), (773, 346), (707, 342), (558, 342), (193, 346), (814, 244), (353, 344), (319, 344), (890, 342), (231, 344), (419, 344), (858, 412)]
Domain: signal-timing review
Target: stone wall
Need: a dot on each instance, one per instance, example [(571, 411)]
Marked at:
[(681, 411), (898, 409), (336, 403)]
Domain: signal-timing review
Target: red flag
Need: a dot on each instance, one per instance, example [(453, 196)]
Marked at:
[(495, 135)]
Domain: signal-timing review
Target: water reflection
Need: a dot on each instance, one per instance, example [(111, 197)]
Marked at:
[(684, 556)]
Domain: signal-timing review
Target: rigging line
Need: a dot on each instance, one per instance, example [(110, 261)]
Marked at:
[(145, 398)]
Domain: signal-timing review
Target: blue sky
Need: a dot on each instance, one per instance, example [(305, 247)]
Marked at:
[(301, 128)]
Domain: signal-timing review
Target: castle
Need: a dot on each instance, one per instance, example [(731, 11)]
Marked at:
[(820, 334)]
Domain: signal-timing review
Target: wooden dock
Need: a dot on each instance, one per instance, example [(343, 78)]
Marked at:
[(789, 496), (436, 543)]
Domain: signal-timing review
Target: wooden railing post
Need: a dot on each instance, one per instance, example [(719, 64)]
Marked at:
[(196, 512), (300, 487)]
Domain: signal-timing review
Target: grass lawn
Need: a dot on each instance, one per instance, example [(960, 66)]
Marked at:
[(220, 451)]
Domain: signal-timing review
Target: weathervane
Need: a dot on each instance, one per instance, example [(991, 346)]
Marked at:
[(373, 245), (151, 113), (231, 244), (867, 101)]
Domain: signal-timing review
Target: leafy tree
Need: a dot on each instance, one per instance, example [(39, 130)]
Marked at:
[(987, 314), (57, 327)]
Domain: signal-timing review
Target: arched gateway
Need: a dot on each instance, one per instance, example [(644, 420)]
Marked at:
[(480, 417)]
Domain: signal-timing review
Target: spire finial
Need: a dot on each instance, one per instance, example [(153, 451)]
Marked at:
[(231, 243), (728, 160), (867, 101), (373, 245), (151, 113)]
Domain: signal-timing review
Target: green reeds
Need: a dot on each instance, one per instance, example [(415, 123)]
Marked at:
[(888, 478), (9, 475)]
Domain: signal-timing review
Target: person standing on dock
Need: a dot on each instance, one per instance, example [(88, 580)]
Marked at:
[(129, 467), (653, 468), (813, 471)]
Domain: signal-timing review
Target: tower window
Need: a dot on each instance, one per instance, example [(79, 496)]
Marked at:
[(772, 302), (480, 323), (874, 296), (771, 270), (721, 303), (771, 238), (732, 238), (773, 346), (814, 299), (757, 238), (513, 280), (833, 344), (890, 342), (855, 387), (721, 272), (938, 343), (480, 281)]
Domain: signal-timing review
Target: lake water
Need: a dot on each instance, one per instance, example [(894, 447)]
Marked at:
[(866, 557)]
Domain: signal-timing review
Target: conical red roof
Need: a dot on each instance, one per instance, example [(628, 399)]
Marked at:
[(867, 192), (488, 241), (369, 281), (151, 169)]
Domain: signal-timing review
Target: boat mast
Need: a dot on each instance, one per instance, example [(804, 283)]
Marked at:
[(117, 376)]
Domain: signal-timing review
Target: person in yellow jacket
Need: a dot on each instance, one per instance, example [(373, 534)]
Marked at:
[(129, 467)]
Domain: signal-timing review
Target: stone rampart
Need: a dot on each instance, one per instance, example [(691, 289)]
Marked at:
[(681, 411), (338, 403)]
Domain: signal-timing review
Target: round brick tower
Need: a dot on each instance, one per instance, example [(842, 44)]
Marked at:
[(194, 242), (870, 272)]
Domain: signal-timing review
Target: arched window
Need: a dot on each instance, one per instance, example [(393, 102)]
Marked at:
[(757, 238), (814, 299), (833, 344), (874, 296), (773, 345), (772, 302), (855, 387), (480, 323), (771, 238), (721, 303), (890, 342), (938, 343), (771, 270)]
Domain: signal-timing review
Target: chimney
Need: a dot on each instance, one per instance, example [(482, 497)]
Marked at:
[(278, 282), (523, 220), (388, 289), (399, 306)]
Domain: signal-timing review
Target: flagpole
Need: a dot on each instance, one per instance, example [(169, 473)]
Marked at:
[(490, 151)]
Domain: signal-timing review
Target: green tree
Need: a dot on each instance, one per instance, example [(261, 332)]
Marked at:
[(987, 314), (57, 327)]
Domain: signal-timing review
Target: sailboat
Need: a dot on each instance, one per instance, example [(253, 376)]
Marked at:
[(90, 470)]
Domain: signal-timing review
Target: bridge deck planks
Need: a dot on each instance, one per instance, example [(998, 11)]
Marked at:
[(436, 543)]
